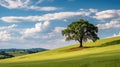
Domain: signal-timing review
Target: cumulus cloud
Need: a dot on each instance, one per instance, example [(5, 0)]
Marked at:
[(41, 1), (107, 14), (53, 36), (25, 4), (5, 34), (111, 24), (12, 4), (56, 36), (56, 31), (37, 8), (90, 10), (38, 28), (46, 17), (110, 17), (8, 27)]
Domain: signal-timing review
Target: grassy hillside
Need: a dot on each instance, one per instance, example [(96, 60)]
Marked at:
[(103, 53)]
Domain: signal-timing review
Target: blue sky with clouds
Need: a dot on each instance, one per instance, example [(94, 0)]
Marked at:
[(38, 23)]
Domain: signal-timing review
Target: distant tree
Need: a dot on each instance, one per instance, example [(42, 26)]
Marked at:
[(81, 31), (5, 55)]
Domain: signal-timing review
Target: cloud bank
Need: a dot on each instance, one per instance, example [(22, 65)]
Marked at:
[(46, 17), (26, 5)]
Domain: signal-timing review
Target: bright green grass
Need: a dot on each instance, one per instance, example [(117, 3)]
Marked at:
[(103, 53)]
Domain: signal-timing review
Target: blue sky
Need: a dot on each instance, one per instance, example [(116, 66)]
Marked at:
[(38, 23)]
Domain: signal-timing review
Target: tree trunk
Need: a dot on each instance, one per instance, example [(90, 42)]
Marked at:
[(80, 42)]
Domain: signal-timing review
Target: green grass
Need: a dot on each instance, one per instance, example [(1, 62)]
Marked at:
[(103, 53)]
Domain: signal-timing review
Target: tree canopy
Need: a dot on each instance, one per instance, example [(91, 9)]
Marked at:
[(80, 31)]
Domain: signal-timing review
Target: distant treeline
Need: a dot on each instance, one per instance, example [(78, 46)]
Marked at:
[(8, 53)]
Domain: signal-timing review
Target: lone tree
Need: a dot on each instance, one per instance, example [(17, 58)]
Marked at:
[(81, 31)]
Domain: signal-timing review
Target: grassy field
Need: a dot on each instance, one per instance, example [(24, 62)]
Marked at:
[(102, 53)]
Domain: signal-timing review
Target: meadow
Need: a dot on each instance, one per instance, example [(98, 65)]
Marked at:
[(102, 53)]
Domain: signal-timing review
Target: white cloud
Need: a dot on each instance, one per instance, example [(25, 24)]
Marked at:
[(4, 36), (112, 17), (39, 1), (8, 27), (12, 4), (90, 10), (5, 32), (56, 31), (56, 37), (46, 17), (107, 14), (25, 4), (111, 24), (93, 10), (38, 28), (48, 8), (65, 20), (53, 37)]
